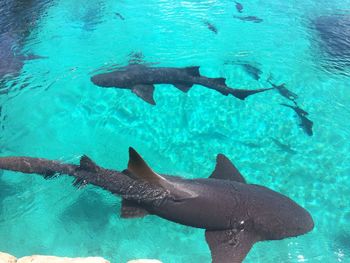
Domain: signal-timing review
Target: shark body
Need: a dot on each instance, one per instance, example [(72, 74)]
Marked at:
[(140, 79), (234, 214)]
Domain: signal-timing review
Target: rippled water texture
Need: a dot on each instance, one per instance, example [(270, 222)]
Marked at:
[(49, 108)]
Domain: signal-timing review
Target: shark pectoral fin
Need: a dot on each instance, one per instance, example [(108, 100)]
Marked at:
[(88, 165), (229, 246), (225, 170), (193, 71), (139, 168), (183, 87), (131, 209), (145, 92)]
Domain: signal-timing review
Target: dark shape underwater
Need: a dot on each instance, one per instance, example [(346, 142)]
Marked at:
[(239, 7), (234, 214), (17, 20), (253, 19), (333, 33), (140, 79), (305, 123), (211, 27)]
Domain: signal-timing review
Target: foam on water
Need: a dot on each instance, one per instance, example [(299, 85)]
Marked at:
[(60, 114)]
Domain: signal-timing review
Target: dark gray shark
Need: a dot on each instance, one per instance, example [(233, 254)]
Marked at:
[(140, 79), (249, 18), (234, 214), (284, 147), (305, 123), (253, 71), (284, 91), (211, 27), (239, 7)]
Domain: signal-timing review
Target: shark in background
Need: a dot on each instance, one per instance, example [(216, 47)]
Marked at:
[(234, 214), (140, 79), (17, 20)]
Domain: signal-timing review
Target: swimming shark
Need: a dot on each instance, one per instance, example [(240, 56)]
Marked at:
[(253, 71), (305, 123), (140, 79), (250, 18), (282, 89), (210, 26), (239, 7), (234, 214)]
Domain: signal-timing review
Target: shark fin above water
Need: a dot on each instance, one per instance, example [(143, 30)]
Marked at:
[(145, 92), (229, 246), (131, 209), (225, 170)]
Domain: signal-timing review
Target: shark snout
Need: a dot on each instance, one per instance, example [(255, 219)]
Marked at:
[(97, 80), (101, 80)]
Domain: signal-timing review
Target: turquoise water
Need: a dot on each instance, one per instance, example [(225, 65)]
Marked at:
[(54, 111)]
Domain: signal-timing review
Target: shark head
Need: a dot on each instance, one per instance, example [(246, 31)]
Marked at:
[(279, 217), (102, 80), (118, 78)]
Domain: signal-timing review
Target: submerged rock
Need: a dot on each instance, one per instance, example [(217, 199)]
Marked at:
[(7, 258)]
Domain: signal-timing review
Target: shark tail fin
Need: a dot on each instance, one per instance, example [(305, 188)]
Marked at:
[(244, 93)]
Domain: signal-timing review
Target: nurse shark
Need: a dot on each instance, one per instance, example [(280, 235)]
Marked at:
[(140, 79), (234, 214)]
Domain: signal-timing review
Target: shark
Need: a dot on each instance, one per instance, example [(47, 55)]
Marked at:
[(234, 213), (305, 122), (140, 79)]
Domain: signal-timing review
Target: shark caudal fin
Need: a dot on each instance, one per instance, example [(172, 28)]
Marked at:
[(244, 93)]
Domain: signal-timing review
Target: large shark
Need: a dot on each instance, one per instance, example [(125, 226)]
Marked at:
[(234, 214), (140, 79)]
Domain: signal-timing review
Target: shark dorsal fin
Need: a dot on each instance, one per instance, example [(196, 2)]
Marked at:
[(193, 71), (87, 164), (225, 170), (139, 168)]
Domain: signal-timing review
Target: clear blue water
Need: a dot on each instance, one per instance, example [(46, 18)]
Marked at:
[(52, 110)]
